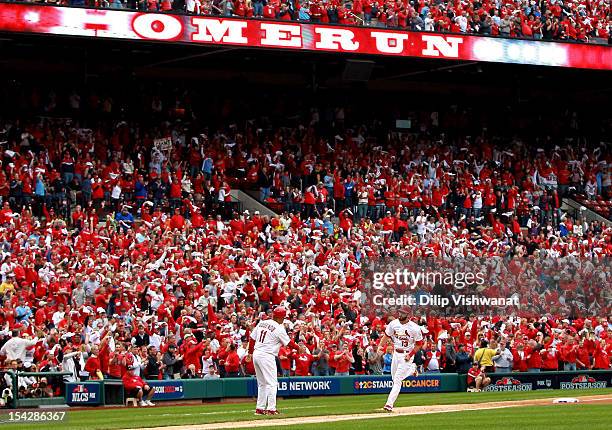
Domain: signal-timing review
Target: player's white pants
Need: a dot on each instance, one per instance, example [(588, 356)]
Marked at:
[(400, 370), (267, 381)]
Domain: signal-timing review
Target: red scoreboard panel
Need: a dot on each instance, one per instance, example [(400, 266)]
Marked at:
[(290, 35)]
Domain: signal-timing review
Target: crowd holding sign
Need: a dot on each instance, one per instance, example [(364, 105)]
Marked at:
[(164, 144)]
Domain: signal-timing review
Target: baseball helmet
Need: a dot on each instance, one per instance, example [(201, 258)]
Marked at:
[(404, 310), (279, 312)]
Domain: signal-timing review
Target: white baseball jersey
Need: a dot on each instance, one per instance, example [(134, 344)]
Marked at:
[(269, 336), (404, 336)]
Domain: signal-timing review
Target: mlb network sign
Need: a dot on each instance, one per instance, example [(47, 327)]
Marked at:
[(295, 36), (309, 386)]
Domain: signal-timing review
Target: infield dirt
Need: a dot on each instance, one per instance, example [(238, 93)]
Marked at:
[(400, 411)]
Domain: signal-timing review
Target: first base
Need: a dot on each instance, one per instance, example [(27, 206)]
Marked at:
[(566, 400)]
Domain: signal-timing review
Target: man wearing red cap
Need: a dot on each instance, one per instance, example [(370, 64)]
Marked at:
[(407, 339), (266, 340)]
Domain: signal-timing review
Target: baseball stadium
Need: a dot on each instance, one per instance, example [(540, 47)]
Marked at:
[(298, 214)]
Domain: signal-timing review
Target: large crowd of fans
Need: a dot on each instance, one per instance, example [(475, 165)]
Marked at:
[(579, 20), (121, 249)]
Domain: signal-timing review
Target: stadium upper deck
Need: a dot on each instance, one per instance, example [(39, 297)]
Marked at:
[(382, 37)]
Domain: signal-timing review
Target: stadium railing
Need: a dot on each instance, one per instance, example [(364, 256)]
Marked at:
[(110, 392), (54, 380)]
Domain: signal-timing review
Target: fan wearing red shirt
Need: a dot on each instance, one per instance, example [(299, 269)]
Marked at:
[(284, 355), (192, 351), (344, 359), (570, 355), (601, 356), (92, 366), (177, 221), (303, 360), (269, 11), (583, 359), (135, 387), (232, 362), (116, 366), (550, 359), (533, 357), (264, 297), (104, 354), (519, 358), (249, 367)]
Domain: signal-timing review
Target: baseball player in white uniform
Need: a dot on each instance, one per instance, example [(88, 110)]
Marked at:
[(407, 339), (266, 340)]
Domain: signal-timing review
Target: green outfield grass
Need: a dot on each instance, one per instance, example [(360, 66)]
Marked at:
[(117, 418), (558, 417)]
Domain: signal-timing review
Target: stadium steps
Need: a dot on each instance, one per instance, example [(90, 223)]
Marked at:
[(250, 202), (574, 208)]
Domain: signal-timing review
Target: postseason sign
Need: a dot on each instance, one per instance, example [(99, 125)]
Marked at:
[(167, 390), (290, 35), (584, 380)]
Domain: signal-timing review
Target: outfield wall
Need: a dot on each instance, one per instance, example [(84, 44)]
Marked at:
[(92, 393), (111, 392)]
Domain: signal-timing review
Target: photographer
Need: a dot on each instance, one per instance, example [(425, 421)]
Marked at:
[(484, 355), (42, 389)]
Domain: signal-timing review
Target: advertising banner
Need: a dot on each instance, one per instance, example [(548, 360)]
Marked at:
[(584, 380), (309, 386), (83, 393), (167, 390), (291, 35), (425, 383), (521, 382)]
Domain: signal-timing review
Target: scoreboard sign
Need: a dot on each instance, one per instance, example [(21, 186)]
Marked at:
[(291, 35)]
